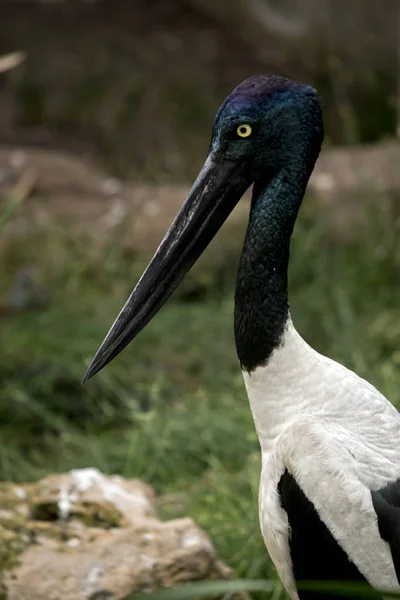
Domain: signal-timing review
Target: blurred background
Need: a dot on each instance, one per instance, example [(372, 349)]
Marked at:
[(106, 115)]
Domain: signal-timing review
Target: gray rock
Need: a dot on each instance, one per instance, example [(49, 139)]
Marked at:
[(97, 537)]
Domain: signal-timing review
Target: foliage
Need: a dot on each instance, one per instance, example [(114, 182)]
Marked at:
[(145, 103), (172, 408), (266, 588)]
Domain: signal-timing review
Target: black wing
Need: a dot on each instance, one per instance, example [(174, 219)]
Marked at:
[(386, 503), (315, 554)]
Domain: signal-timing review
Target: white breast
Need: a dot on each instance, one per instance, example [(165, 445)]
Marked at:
[(298, 381), (335, 432)]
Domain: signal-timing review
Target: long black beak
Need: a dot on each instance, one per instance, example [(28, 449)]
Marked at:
[(216, 191)]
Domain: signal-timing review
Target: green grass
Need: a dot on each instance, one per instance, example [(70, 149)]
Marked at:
[(172, 408), (265, 588)]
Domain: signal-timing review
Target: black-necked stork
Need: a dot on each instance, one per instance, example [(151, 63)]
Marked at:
[(329, 499)]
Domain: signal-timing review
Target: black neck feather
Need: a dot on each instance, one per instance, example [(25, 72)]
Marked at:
[(261, 298)]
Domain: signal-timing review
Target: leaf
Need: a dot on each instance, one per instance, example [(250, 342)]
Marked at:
[(347, 589), (208, 589)]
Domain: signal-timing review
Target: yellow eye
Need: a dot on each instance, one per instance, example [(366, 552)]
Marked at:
[(244, 131)]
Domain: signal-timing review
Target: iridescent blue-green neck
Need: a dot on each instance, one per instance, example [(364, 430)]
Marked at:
[(261, 298)]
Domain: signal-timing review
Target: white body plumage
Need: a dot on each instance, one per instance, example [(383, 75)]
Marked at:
[(339, 437)]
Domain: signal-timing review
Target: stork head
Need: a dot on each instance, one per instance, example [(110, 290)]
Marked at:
[(263, 122)]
